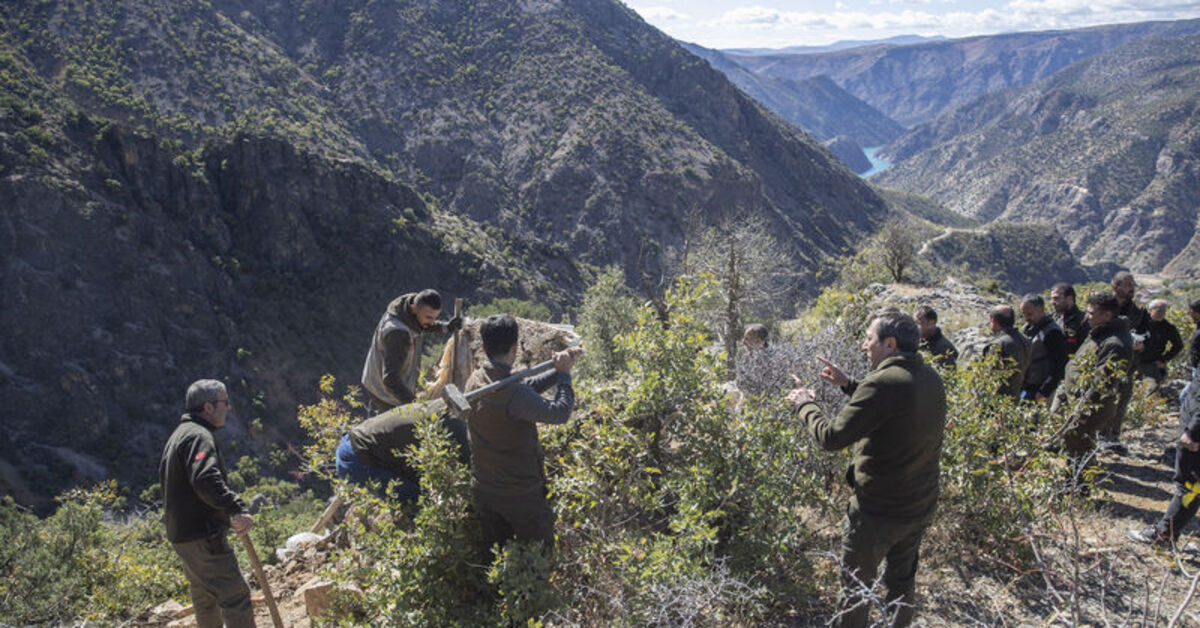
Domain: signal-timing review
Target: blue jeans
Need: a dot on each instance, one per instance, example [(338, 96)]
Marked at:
[(351, 468)]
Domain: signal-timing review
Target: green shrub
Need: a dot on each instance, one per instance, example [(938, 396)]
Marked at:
[(608, 311), (77, 564)]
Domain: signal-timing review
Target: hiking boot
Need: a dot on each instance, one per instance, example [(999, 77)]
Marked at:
[(1147, 535)]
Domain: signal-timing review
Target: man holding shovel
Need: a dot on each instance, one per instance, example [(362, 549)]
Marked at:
[(509, 475), (199, 508)]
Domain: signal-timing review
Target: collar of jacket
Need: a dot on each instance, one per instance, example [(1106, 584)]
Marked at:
[(195, 418), (400, 307), (1115, 326), (1032, 330), (897, 358), (497, 370)]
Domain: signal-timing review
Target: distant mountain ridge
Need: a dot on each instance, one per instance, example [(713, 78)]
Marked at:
[(898, 40), (815, 104), (235, 188), (915, 83), (1107, 150)]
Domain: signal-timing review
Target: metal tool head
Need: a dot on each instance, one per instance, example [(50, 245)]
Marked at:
[(454, 398)]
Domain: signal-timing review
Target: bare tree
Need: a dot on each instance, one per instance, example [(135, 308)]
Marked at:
[(897, 244), (755, 272)]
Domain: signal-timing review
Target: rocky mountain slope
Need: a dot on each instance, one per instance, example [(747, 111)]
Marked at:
[(913, 84), (1107, 150), (236, 188), (815, 104)]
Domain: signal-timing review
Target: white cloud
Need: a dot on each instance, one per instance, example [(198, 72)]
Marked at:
[(662, 14), (761, 26)]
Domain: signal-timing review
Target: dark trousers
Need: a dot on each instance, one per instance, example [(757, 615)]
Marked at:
[(1112, 431), (220, 595), (525, 517), (1186, 500), (866, 541)]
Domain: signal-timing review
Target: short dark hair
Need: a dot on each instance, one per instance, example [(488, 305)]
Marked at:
[(1105, 301), (1003, 315), (1033, 299), (428, 298), (927, 313), (757, 330), (1195, 305), (892, 323), (1119, 277), (1065, 288), (499, 333)]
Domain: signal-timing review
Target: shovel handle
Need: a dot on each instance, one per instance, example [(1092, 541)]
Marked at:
[(262, 578)]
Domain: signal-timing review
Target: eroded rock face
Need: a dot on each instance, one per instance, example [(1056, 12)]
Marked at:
[(265, 268)]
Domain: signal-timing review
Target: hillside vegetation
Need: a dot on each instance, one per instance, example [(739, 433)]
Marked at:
[(236, 189), (679, 505)]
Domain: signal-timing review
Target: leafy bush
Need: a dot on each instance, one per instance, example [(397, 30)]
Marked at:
[(76, 564), (608, 311)]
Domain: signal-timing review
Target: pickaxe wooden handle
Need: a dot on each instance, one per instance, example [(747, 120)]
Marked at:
[(456, 400), (262, 578)]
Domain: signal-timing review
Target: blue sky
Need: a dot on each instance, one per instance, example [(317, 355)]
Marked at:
[(778, 23)]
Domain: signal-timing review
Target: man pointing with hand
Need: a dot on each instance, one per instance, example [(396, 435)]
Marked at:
[(893, 423)]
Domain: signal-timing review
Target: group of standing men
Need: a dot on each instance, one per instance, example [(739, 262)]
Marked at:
[(894, 420)]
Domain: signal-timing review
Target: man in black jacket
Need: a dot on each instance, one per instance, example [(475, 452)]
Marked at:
[(1071, 320), (199, 508), (933, 341), (1048, 361), (1014, 348)]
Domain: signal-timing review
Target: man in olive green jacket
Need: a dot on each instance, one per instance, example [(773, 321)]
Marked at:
[(1089, 398), (893, 423)]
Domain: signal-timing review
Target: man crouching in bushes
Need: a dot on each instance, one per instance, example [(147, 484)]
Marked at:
[(894, 423), (509, 474)]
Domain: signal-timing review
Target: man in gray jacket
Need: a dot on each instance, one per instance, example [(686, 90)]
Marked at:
[(394, 358)]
